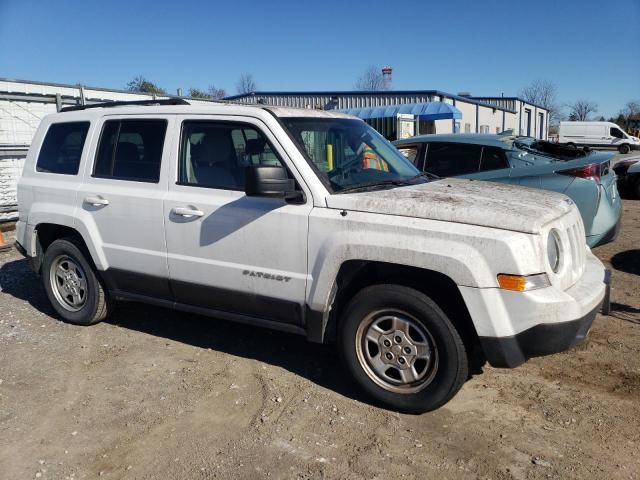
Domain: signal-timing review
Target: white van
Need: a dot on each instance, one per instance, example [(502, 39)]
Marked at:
[(597, 134)]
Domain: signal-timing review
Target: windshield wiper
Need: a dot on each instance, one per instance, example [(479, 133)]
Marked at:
[(426, 174), (384, 183), (394, 183)]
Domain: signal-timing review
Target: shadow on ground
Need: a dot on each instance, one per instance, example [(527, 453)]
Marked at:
[(625, 312), (317, 363), (627, 261)]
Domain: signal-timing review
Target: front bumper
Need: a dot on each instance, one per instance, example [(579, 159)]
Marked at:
[(543, 339), (20, 249), (515, 326)]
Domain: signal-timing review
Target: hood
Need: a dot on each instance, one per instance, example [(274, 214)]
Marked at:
[(472, 202)]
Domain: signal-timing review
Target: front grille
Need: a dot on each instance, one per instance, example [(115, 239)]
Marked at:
[(575, 240)]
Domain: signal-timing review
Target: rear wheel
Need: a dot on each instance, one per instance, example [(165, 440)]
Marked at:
[(73, 288), (624, 149), (401, 348)]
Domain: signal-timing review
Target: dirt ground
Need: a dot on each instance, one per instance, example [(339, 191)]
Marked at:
[(158, 394)]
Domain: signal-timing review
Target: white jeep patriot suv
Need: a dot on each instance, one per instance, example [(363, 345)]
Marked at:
[(309, 222)]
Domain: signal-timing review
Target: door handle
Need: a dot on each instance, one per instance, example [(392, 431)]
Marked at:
[(96, 201), (187, 212)]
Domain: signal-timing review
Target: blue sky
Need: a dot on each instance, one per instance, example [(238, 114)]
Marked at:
[(589, 48)]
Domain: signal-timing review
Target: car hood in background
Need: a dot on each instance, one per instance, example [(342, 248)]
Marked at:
[(472, 202)]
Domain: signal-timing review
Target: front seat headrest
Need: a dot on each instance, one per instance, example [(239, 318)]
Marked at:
[(255, 146)]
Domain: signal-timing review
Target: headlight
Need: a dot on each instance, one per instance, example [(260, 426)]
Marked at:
[(553, 250)]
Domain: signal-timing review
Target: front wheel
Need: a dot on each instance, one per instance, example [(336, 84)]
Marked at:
[(73, 288), (624, 149), (401, 348)]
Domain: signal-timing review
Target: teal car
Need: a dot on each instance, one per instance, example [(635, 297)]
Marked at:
[(584, 176)]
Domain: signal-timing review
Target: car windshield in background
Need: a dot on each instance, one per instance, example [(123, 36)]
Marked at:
[(350, 155)]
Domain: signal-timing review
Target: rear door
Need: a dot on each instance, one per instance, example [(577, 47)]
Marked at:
[(120, 202), (448, 159), (226, 251)]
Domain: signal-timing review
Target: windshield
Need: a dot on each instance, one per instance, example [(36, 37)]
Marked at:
[(348, 154)]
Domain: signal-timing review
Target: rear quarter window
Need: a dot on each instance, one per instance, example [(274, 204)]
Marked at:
[(411, 152), (493, 158), (62, 148)]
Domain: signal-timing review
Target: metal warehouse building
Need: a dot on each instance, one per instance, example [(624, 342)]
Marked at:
[(397, 114)]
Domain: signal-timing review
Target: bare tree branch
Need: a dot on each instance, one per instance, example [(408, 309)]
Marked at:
[(246, 84), (371, 80), (580, 110), (543, 93), (630, 109), (217, 93)]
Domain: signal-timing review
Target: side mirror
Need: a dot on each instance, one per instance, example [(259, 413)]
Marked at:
[(272, 182)]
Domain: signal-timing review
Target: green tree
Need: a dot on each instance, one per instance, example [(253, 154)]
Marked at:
[(141, 85), (196, 93), (212, 93)]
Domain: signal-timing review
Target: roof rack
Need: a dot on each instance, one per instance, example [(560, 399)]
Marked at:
[(166, 101)]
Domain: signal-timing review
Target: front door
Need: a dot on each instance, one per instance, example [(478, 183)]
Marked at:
[(120, 203), (226, 251)]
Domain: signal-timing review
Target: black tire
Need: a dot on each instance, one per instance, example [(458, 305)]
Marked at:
[(447, 367), (571, 145), (624, 149), (95, 303)]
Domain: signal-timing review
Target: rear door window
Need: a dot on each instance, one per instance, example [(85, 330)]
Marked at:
[(131, 150), (62, 148), (452, 159), (493, 158)]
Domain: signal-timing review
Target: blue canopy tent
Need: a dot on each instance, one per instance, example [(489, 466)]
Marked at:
[(383, 118), (422, 111)]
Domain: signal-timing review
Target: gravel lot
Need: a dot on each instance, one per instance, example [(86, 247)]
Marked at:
[(158, 394)]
